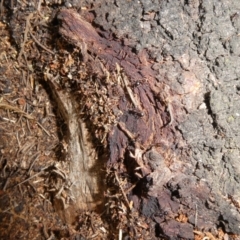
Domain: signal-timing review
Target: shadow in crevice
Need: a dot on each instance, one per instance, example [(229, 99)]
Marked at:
[(207, 98)]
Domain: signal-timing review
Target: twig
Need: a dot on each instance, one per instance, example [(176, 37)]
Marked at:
[(39, 6), (45, 130), (45, 233), (18, 184), (25, 35), (130, 93), (42, 46), (36, 156), (27, 147), (130, 135), (19, 143), (27, 30), (29, 129), (124, 195), (6, 183), (9, 120)]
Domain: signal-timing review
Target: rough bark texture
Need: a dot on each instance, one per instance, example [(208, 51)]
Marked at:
[(169, 73), (144, 136), (190, 158)]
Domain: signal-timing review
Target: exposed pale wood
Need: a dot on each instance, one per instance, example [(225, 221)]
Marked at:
[(86, 182)]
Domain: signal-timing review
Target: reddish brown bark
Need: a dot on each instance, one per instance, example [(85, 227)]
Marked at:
[(149, 115)]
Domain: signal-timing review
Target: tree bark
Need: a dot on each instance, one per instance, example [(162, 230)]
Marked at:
[(156, 90), (154, 138)]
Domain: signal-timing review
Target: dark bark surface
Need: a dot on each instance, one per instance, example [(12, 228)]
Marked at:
[(176, 138)]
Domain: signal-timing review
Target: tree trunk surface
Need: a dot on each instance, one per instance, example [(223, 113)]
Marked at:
[(148, 95)]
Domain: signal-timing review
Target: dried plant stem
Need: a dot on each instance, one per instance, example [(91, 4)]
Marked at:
[(42, 46), (124, 194)]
